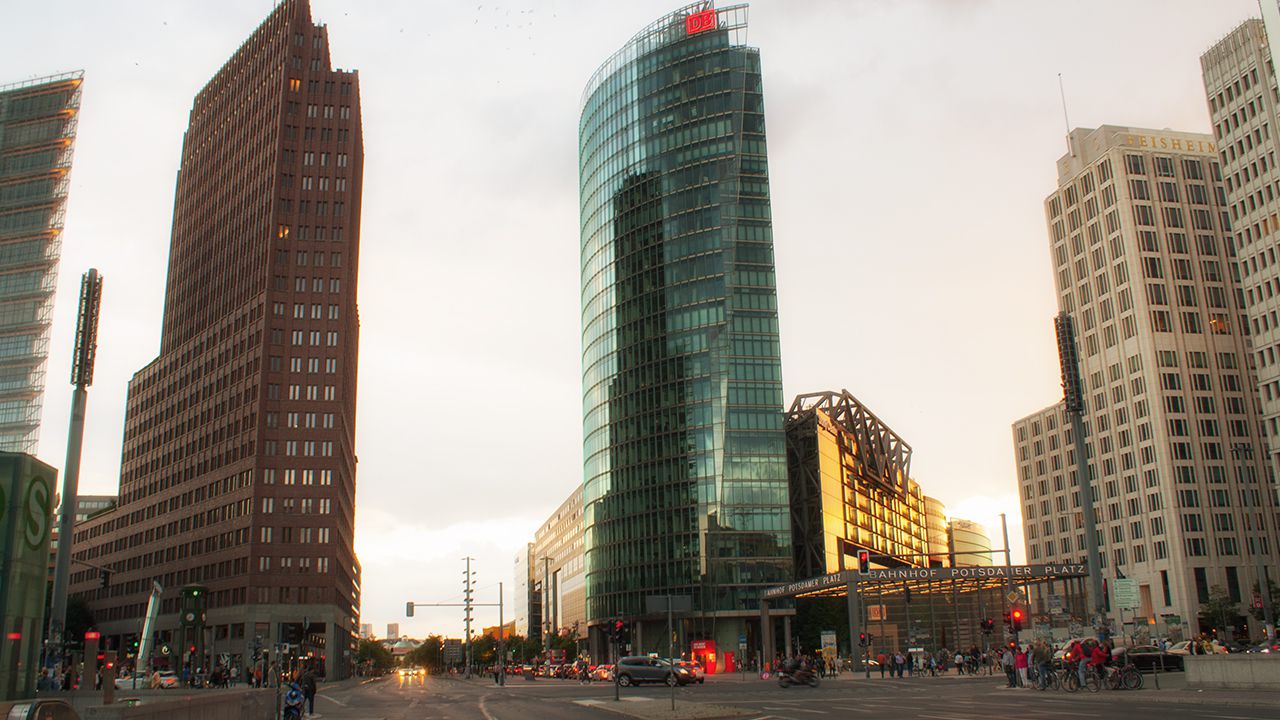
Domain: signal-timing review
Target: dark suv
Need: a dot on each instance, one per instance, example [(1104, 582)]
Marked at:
[(640, 669)]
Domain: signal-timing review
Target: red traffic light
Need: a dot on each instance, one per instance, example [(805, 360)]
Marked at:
[(92, 635), (1017, 614), (864, 561)]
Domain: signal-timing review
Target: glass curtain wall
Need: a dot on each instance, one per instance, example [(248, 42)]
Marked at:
[(685, 477)]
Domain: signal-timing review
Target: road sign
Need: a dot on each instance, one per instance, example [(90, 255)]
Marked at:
[(1125, 593), (742, 641), (1013, 597), (1257, 601)]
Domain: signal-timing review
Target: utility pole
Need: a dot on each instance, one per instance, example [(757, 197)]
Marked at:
[(1073, 397), (81, 377), (1244, 451), (466, 603), (502, 647)]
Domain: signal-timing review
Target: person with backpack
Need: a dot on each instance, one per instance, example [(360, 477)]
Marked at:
[(307, 684)]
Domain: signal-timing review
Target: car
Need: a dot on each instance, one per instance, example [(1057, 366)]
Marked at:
[(1181, 648), (602, 672), (694, 668), (1148, 657), (125, 682), (167, 679), (637, 669)]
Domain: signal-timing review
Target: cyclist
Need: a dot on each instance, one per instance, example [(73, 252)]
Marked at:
[(1098, 659)]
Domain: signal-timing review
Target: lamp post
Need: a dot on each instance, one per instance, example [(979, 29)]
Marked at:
[(1244, 451), (546, 606)]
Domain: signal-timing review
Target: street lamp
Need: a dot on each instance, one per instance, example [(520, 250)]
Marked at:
[(1245, 451), (546, 605)]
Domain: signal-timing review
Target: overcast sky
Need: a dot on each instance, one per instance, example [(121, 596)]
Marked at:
[(911, 145)]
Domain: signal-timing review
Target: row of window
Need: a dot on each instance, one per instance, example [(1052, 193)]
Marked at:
[(287, 534)]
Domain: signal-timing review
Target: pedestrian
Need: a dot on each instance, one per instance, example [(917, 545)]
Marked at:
[(883, 660), (899, 663), (1020, 663), (1007, 662), (1043, 657), (308, 684), (959, 663)]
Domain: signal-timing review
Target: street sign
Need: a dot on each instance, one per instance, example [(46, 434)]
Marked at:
[(1013, 597), (1125, 593), (1055, 604), (1257, 601), (742, 641)]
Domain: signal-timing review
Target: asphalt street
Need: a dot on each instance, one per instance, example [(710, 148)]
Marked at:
[(949, 698)]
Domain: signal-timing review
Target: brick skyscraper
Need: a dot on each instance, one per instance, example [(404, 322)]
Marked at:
[(238, 466)]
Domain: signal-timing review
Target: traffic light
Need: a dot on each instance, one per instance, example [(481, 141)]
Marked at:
[(864, 561), (104, 578), (988, 625), (1016, 617), (408, 609), (862, 639)]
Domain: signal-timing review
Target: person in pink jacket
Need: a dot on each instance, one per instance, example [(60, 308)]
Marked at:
[(1020, 662)]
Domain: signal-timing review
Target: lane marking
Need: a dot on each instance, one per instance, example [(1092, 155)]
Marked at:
[(846, 707)]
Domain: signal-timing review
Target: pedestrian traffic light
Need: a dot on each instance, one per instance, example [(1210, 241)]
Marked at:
[(862, 639), (1016, 616), (104, 578), (408, 609), (864, 561)]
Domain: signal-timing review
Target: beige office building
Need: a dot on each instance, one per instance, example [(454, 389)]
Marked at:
[(556, 565), (1143, 261), (1240, 86)]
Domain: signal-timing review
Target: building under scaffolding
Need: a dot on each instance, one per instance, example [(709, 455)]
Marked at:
[(37, 133)]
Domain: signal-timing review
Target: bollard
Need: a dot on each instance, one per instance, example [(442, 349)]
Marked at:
[(109, 678)]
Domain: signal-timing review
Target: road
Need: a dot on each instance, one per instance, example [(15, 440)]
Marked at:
[(947, 698)]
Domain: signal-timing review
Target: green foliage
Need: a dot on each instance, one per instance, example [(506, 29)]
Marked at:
[(1274, 591), (814, 615), (429, 655), (1220, 610), (373, 652), (79, 618)]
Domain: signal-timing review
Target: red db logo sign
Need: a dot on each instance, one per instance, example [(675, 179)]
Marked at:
[(701, 21)]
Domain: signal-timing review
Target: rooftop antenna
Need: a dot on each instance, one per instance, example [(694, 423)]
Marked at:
[(1067, 122)]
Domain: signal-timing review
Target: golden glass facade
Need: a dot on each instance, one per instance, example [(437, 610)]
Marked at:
[(851, 488)]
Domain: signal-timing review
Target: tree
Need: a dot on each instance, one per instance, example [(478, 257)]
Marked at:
[(1274, 591), (79, 619), (376, 654), (430, 654), (814, 615), (1220, 610)]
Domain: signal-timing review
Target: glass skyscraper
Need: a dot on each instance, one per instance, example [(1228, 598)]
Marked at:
[(685, 475), (37, 135)]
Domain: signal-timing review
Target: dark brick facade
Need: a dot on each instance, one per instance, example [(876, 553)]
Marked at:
[(238, 465)]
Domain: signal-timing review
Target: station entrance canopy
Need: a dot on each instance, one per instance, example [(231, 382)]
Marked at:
[(837, 584), (948, 600)]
